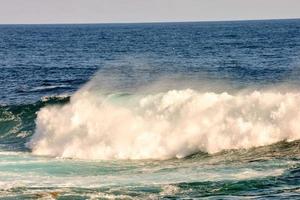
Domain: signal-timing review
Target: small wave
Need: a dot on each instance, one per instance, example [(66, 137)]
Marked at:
[(48, 87)]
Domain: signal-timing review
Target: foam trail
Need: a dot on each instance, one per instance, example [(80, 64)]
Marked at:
[(165, 125)]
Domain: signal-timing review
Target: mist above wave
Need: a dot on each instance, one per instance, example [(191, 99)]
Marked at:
[(163, 125)]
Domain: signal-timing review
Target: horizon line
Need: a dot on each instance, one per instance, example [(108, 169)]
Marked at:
[(151, 22)]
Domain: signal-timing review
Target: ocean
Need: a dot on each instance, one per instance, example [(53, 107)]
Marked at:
[(195, 110)]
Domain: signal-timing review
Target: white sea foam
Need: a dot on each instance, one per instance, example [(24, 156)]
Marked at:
[(165, 125), (61, 96)]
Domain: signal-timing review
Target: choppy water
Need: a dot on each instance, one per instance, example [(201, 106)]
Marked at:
[(148, 111)]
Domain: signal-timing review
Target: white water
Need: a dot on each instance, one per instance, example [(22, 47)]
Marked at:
[(165, 125)]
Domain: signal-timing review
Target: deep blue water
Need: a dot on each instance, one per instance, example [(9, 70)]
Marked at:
[(39, 60), (42, 65)]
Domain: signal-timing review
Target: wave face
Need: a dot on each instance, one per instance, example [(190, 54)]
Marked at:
[(17, 122), (172, 124)]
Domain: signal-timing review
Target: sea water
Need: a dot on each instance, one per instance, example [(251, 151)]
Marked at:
[(150, 111)]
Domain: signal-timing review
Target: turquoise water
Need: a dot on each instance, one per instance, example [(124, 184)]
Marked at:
[(150, 111), (266, 172)]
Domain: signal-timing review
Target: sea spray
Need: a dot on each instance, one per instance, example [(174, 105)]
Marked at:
[(171, 124)]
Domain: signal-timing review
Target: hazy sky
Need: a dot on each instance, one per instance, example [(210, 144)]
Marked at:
[(99, 11)]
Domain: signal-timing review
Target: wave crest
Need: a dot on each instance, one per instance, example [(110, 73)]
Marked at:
[(165, 125)]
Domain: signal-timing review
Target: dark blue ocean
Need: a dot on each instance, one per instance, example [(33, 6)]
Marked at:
[(150, 111)]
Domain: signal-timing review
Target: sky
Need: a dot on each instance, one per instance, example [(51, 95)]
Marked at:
[(119, 11)]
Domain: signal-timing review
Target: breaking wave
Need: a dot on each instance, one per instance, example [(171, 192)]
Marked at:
[(171, 124), (17, 122)]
